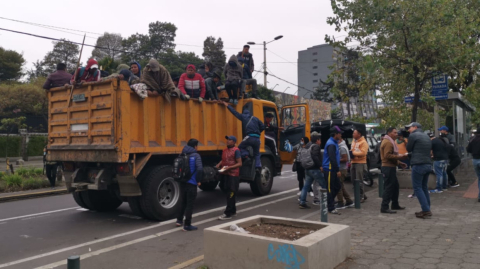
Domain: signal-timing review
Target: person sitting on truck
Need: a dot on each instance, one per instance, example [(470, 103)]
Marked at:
[(271, 133), (158, 81), (213, 85), (233, 74), (89, 73), (136, 69), (58, 78), (253, 127), (176, 80), (192, 83), (189, 189), (230, 164)]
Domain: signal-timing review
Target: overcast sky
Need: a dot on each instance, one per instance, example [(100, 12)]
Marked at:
[(302, 23)]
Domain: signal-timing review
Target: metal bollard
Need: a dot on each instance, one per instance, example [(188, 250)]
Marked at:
[(381, 185), (323, 205), (73, 262), (356, 188)]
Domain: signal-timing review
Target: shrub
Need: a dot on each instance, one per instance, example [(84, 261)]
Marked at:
[(22, 171), (13, 181), (12, 143), (34, 183), (36, 145), (37, 171)]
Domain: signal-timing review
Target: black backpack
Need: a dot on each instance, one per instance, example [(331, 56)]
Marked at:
[(181, 168)]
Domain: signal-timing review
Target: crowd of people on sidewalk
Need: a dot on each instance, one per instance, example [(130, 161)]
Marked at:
[(155, 80)]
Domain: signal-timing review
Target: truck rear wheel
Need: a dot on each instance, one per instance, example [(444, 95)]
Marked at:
[(209, 186), (78, 199), (134, 204), (100, 200), (161, 199), (263, 183)]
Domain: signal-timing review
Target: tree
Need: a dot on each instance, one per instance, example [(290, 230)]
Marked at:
[(135, 48), (111, 46), (161, 38), (324, 92), (336, 114), (63, 52), (213, 52), (409, 42), (11, 63), (37, 71), (265, 93), (25, 98), (177, 61)]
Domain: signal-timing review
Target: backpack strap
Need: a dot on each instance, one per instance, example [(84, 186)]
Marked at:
[(251, 118)]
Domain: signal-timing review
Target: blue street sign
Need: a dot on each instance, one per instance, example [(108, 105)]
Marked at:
[(409, 99), (440, 87), (441, 97)]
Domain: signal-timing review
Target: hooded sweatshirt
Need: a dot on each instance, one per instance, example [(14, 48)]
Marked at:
[(195, 163), (83, 73), (252, 126), (139, 69), (233, 70)]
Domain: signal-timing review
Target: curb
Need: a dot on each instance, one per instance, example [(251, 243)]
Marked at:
[(32, 195)]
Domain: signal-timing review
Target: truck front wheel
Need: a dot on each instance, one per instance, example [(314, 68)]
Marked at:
[(161, 199), (263, 182)]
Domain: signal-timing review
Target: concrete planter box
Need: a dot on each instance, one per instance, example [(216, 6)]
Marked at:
[(325, 248)]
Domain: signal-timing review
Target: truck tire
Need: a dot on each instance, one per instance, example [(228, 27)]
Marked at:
[(263, 183), (134, 204), (78, 199), (161, 195), (100, 200), (209, 186)]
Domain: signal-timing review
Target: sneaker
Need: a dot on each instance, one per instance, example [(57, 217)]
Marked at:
[(351, 204), (436, 191), (411, 195), (303, 206), (445, 189), (299, 193), (189, 228), (311, 194), (455, 185), (334, 212), (235, 101), (316, 202), (179, 223), (224, 217), (340, 206)]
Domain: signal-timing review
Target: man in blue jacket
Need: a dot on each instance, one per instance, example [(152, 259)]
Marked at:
[(331, 167), (253, 127), (189, 189)]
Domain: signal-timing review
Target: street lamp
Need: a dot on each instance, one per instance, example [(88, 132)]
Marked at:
[(265, 57), (286, 89), (274, 86)]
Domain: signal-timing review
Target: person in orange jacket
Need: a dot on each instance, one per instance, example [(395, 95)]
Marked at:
[(359, 151)]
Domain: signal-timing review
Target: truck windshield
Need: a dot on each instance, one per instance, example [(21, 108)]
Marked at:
[(294, 116)]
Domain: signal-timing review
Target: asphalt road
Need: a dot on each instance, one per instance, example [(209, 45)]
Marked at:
[(44, 232)]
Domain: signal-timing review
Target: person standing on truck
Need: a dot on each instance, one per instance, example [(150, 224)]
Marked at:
[(189, 189), (233, 74), (230, 173), (58, 78), (253, 127), (192, 84), (89, 73), (331, 168), (344, 161), (359, 160), (247, 58), (159, 82)]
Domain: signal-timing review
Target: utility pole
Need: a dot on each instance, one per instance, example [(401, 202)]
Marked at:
[(265, 64)]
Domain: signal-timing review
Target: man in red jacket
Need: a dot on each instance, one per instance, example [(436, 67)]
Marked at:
[(192, 84)]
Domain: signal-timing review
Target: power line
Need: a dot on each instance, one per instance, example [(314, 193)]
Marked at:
[(291, 83), (44, 25)]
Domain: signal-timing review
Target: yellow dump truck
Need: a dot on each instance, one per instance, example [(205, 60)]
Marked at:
[(117, 148)]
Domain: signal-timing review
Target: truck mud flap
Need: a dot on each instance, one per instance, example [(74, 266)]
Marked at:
[(128, 186)]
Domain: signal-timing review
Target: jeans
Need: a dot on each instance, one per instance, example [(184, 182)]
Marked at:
[(189, 193), (476, 165), (451, 166), (420, 173), (440, 168), (392, 188), (254, 142), (311, 176)]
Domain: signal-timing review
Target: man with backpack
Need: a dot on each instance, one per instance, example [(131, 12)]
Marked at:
[(310, 157), (188, 170), (331, 167), (229, 168)]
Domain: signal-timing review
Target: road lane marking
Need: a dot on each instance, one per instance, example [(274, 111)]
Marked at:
[(139, 230), (187, 263), (114, 247), (39, 214)]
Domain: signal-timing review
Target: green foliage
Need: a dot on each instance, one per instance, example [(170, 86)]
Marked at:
[(214, 53), (28, 98), (265, 93), (323, 91), (13, 181), (34, 183), (63, 52), (111, 47), (177, 61), (11, 144), (9, 124), (11, 63), (29, 171), (336, 114), (36, 145)]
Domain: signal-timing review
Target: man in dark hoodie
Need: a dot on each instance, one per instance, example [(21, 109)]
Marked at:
[(313, 172), (136, 69), (419, 147), (331, 167), (253, 127), (440, 150), (189, 189), (247, 58), (233, 74)]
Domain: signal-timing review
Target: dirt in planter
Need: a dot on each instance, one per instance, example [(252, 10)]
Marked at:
[(280, 231)]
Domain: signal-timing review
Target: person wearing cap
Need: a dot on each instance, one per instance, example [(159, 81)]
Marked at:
[(159, 82), (230, 175), (440, 151), (419, 146), (213, 85), (58, 78), (473, 148), (331, 167), (253, 127), (313, 173), (247, 58), (192, 84), (390, 160), (359, 151), (89, 73), (446, 133)]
